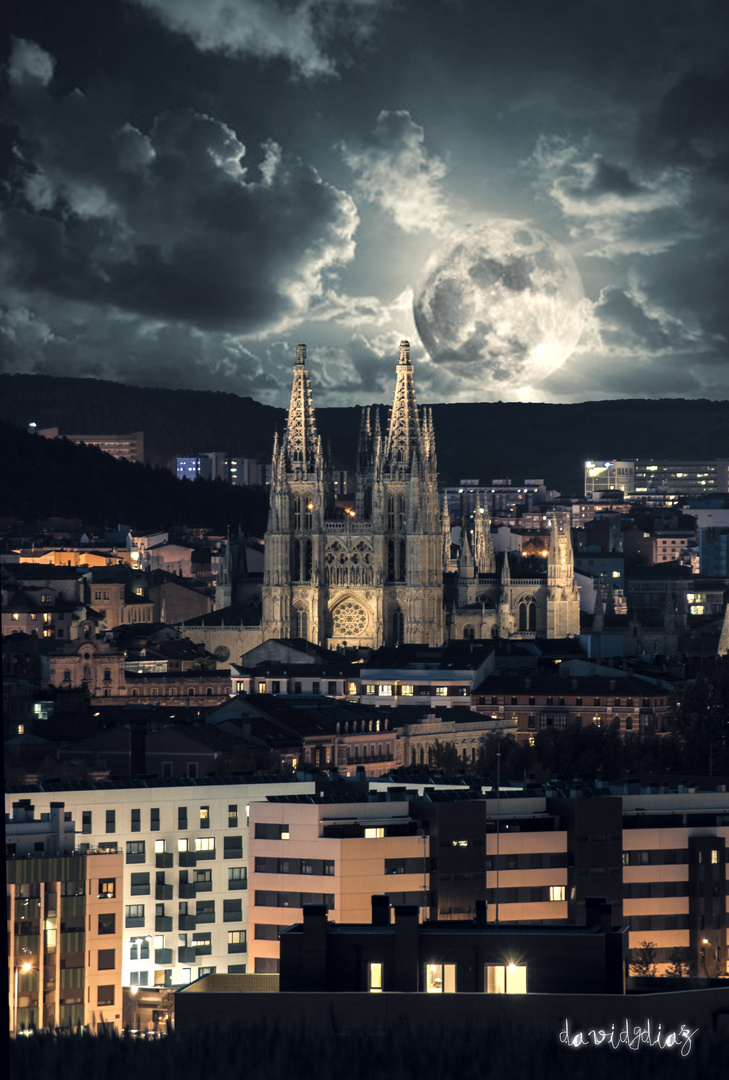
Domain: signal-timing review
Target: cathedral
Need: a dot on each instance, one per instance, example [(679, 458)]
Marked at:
[(380, 572)]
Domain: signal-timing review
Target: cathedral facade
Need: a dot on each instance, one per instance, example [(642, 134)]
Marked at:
[(380, 573)]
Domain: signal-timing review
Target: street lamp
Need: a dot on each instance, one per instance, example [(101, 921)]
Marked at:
[(715, 950), (24, 967)]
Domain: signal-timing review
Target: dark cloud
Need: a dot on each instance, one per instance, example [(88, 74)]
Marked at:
[(174, 223), (624, 322), (691, 124), (190, 188)]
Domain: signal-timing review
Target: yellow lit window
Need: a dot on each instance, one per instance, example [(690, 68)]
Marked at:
[(441, 691), (440, 978), (407, 690), (183, 844), (557, 892), (375, 986), (505, 979), (384, 690), (159, 847), (374, 833)]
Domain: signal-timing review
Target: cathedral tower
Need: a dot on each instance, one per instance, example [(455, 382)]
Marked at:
[(373, 576), (563, 598), (301, 501)]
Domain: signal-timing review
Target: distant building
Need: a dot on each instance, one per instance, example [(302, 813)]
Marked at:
[(498, 497), (192, 468), (129, 447), (643, 476), (681, 477), (611, 475)]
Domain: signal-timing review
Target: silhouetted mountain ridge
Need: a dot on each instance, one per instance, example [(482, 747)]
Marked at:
[(479, 439)]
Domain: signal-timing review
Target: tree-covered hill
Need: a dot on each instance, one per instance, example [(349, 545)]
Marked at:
[(479, 439), (57, 478)]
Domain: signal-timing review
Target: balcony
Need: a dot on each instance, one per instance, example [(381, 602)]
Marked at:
[(187, 922), (187, 858), (187, 890), (134, 920), (164, 860), (186, 956), (163, 924), (163, 957), (163, 892)]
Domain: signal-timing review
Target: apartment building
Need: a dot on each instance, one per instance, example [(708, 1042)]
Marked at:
[(335, 854), (212, 872), (640, 476), (181, 871), (536, 855), (64, 914), (541, 701), (129, 446)]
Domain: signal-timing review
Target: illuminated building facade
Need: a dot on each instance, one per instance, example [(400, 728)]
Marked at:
[(375, 575)]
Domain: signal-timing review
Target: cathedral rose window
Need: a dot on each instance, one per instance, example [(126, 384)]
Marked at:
[(349, 618)]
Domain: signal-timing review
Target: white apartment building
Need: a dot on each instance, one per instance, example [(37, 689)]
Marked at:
[(185, 867)]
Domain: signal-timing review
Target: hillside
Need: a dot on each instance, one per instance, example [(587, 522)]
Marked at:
[(56, 478), (485, 440)]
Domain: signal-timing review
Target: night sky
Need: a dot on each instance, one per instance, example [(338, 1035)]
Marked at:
[(192, 187)]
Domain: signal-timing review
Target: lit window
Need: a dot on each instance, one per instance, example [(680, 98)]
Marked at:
[(183, 844), (557, 892), (159, 847), (459, 843), (714, 855), (384, 690), (375, 979), (372, 834), (352, 688), (407, 690), (441, 691), (369, 689), (509, 979), (440, 978), (205, 843)]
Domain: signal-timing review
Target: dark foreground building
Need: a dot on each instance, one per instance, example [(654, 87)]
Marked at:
[(408, 956)]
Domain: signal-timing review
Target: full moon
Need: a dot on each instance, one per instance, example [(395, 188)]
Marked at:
[(501, 302)]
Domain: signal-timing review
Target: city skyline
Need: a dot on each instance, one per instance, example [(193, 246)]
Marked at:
[(192, 191)]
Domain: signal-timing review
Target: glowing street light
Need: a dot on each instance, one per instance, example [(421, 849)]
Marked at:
[(24, 967)]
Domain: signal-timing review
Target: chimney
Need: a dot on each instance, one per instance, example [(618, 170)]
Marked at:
[(381, 910), (594, 906)]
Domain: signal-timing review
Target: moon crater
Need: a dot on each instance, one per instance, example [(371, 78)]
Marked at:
[(503, 301)]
